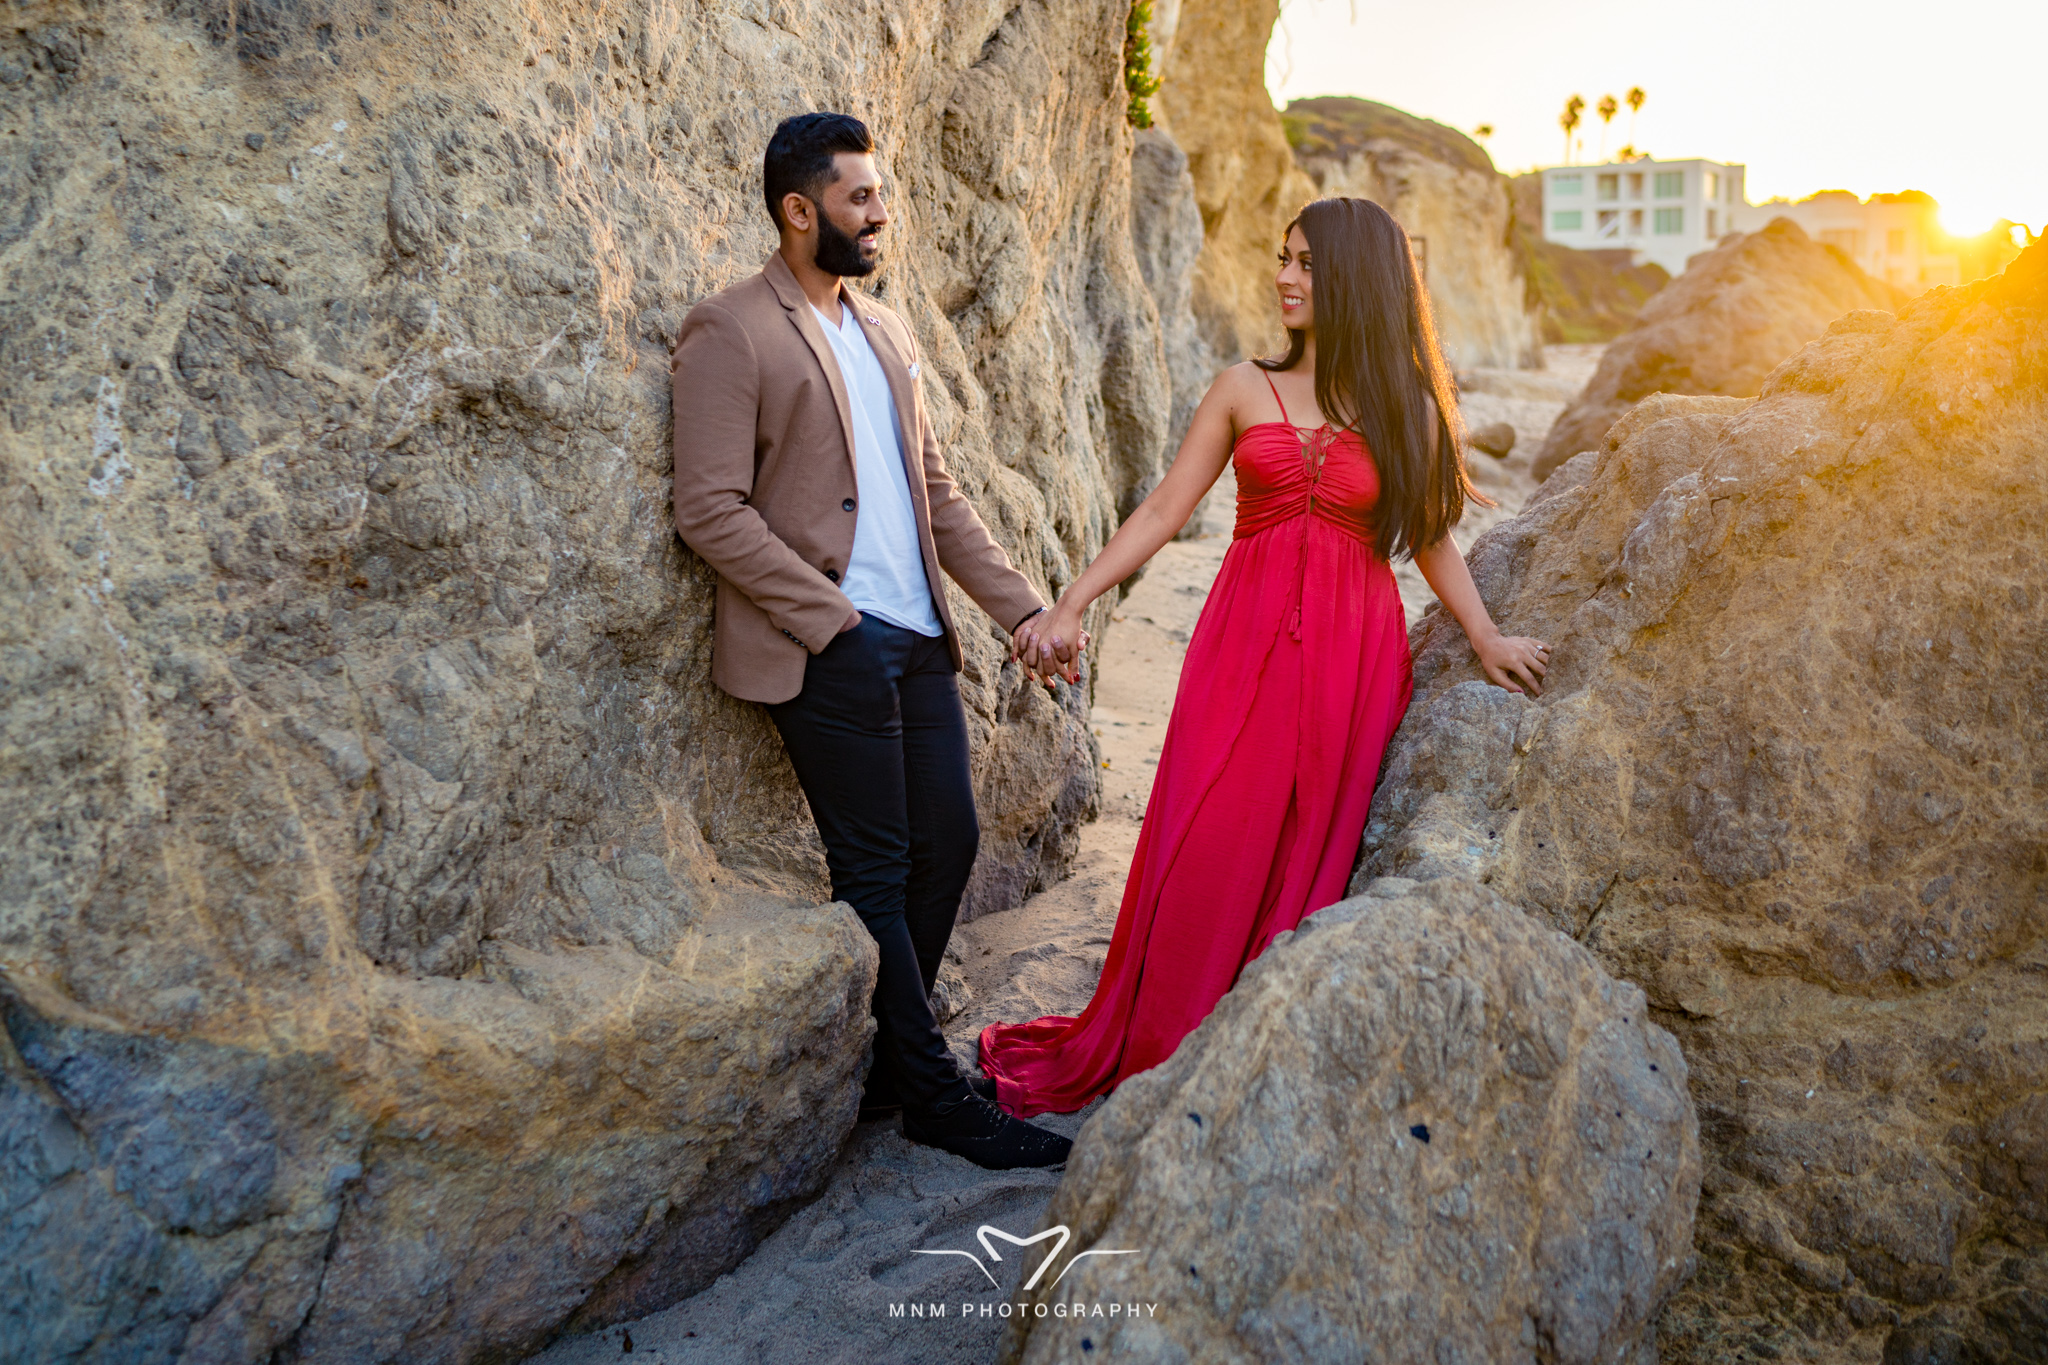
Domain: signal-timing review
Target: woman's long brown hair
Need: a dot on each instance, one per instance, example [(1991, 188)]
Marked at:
[(1377, 359)]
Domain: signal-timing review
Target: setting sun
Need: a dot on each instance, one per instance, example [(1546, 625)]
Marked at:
[(1967, 218)]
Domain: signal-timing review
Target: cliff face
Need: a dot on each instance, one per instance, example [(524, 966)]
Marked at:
[(1718, 329), (1444, 190), (405, 947), (1212, 57), (1787, 776)]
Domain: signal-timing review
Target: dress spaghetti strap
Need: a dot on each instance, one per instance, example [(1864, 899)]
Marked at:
[(1276, 396)]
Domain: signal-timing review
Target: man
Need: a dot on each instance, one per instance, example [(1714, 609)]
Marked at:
[(808, 475)]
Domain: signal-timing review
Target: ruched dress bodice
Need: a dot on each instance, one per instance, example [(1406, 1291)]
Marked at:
[(1296, 676), (1284, 472)]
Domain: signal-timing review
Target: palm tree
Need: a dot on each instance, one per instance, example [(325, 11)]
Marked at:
[(1607, 108), (1635, 104), (1483, 132), (1569, 121)]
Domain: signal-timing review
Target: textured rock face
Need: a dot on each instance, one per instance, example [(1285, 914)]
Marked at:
[(1212, 57), (1166, 231), (1788, 776), (402, 945), (1719, 328), (1421, 1127), (1443, 189)]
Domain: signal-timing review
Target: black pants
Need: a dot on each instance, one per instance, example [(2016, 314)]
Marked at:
[(879, 742)]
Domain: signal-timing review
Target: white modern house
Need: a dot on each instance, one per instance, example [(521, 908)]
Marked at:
[(1662, 211)]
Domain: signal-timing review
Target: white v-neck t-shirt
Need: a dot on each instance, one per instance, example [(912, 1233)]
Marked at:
[(885, 574)]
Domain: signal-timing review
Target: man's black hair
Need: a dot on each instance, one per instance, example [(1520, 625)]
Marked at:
[(799, 156)]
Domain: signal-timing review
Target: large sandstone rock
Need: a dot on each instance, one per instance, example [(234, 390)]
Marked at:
[(404, 949), (1166, 232), (1788, 776), (1421, 1127), (1211, 55), (1719, 328), (1441, 186)]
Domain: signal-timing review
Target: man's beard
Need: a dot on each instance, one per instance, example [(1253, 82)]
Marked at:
[(839, 254)]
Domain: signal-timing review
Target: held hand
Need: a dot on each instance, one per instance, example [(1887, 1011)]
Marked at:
[(1508, 659), (1024, 650), (1056, 642)]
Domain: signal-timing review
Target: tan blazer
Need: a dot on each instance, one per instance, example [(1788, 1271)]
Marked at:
[(765, 484)]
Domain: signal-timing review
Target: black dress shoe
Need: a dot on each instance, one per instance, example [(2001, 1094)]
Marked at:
[(874, 1106), (985, 1135)]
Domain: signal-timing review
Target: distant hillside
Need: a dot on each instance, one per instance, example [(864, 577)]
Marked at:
[(1339, 125), (1583, 295)]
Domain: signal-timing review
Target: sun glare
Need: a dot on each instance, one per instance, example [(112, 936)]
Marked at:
[(1967, 219)]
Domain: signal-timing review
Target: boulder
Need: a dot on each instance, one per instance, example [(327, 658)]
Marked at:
[(1442, 187), (1719, 328), (1495, 438), (404, 950), (1422, 1126), (1787, 776)]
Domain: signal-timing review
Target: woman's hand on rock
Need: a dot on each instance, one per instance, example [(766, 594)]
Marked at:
[(1514, 659)]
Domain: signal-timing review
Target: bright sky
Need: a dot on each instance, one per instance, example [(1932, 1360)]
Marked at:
[(1809, 95)]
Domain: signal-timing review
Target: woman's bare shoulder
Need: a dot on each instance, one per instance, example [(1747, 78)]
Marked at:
[(1235, 382)]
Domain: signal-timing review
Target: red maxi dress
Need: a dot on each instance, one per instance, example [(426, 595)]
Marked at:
[(1296, 676)]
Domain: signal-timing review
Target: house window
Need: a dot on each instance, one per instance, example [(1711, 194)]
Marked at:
[(1607, 188), (1712, 231), (1635, 222), (1568, 184), (1570, 220), (1608, 224), (1670, 185), (1635, 184), (1895, 242), (1669, 220), (1713, 189)]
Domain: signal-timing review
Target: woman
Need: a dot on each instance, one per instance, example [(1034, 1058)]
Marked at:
[(1347, 456)]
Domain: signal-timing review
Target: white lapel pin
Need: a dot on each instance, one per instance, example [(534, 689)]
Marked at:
[(874, 321), (913, 369)]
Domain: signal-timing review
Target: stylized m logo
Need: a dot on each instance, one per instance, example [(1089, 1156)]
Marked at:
[(983, 1233)]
